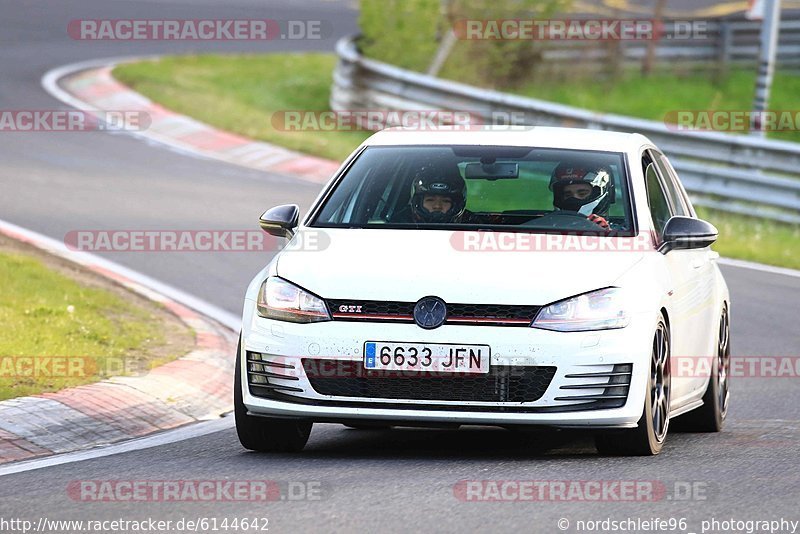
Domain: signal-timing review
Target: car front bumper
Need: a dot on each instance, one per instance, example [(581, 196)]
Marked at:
[(580, 359)]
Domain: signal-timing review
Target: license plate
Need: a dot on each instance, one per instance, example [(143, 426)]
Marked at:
[(436, 358)]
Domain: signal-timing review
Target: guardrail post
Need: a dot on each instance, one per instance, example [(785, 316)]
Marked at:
[(766, 65), (725, 42)]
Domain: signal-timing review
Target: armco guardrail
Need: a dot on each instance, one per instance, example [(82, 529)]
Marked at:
[(721, 42), (735, 173)]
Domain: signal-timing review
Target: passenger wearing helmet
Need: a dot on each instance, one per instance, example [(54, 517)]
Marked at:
[(588, 190), (436, 197)]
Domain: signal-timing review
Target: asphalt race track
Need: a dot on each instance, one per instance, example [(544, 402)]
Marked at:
[(399, 480)]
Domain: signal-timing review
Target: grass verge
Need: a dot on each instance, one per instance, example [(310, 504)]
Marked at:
[(64, 326), (754, 239), (663, 94), (240, 94)]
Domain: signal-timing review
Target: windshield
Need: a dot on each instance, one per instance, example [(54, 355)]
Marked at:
[(481, 187)]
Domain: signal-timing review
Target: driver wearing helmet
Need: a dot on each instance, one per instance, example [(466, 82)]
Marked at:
[(588, 190), (436, 197)]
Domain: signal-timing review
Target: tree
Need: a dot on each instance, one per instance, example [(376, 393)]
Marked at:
[(652, 45)]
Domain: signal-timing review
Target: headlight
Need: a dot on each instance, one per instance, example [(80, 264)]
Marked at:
[(284, 301), (599, 310)]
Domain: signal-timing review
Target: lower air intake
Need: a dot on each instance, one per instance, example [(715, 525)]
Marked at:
[(342, 378)]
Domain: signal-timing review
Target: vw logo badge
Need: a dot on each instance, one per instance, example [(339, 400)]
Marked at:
[(430, 312)]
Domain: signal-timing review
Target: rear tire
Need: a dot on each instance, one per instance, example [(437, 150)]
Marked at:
[(265, 434), (710, 417), (647, 439)]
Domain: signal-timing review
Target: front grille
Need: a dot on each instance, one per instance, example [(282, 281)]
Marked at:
[(342, 378), (403, 312)]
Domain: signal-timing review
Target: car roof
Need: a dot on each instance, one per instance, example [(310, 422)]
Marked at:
[(533, 136)]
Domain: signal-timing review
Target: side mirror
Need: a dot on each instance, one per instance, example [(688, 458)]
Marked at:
[(688, 233), (280, 221)]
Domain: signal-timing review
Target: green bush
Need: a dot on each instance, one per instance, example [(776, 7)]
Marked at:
[(401, 32), (408, 34)]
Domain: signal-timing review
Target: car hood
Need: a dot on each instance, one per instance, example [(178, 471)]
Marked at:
[(406, 265)]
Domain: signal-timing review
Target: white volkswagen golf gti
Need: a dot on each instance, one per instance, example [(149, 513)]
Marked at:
[(512, 277)]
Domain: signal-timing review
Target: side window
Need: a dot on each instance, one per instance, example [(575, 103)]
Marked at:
[(680, 192), (673, 191), (656, 198)]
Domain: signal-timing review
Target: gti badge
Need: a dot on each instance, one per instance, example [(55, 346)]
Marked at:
[(430, 312)]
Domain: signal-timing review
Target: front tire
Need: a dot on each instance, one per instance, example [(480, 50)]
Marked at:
[(710, 417), (264, 434), (647, 439)]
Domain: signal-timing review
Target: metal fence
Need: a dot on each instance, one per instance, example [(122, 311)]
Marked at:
[(734, 173), (722, 43)]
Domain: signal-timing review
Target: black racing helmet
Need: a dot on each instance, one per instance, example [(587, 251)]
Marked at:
[(598, 177), (435, 182)]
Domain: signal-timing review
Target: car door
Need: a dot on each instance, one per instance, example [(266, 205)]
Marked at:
[(703, 313), (683, 281)]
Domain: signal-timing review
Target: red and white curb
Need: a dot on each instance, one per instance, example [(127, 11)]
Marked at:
[(89, 86), (193, 388)]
